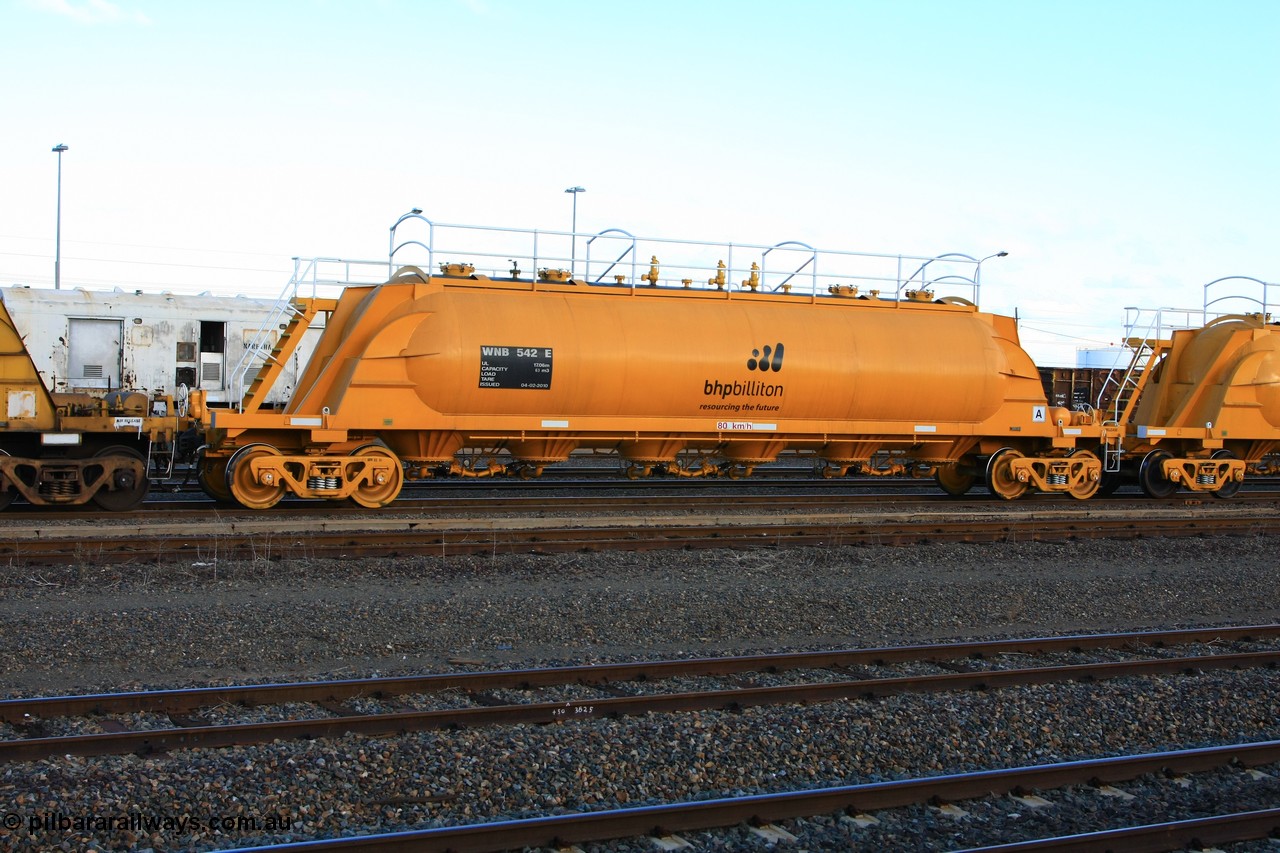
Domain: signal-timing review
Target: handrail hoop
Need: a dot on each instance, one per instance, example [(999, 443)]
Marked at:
[(411, 243), (391, 242), (631, 249), (1263, 303), (813, 259), (953, 277), (947, 256)]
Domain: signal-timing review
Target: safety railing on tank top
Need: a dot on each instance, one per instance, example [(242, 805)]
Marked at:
[(1220, 303), (615, 257)]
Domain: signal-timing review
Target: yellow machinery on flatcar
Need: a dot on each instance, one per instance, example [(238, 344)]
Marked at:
[(68, 449)]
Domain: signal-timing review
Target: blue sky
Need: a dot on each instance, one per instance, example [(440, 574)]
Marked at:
[(1121, 152)]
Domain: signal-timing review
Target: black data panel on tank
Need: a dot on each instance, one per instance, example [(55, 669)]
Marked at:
[(515, 367)]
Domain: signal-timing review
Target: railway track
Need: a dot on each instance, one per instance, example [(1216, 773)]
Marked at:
[(569, 499), (452, 498), (763, 812), (146, 722), (484, 698), (500, 526)]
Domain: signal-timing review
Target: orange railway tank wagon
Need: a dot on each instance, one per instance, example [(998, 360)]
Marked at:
[(1201, 405), (425, 374)]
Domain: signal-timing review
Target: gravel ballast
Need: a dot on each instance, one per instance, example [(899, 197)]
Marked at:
[(88, 628)]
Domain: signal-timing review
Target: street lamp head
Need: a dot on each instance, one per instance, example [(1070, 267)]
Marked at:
[(59, 148), (1002, 254), (576, 190), (416, 211)]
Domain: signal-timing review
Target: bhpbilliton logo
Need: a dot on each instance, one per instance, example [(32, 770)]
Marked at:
[(766, 359), (770, 360)]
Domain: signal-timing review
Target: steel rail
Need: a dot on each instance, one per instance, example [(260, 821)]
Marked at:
[(764, 495), (1197, 833), (541, 713), (181, 701), (465, 502), (412, 541), (562, 830)]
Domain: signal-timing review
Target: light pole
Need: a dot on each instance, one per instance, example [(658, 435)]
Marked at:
[(573, 251), (57, 244), (977, 273)]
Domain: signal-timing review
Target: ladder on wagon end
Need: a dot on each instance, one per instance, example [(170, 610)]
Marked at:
[(301, 312), (282, 331), (1129, 388), (1148, 334)]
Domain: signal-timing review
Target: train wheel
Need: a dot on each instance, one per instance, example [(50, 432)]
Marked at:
[(244, 487), (212, 476), (1111, 481), (1229, 488), (953, 480), (374, 495), (1152, 479), (126, 488), (1088, 488), (1000, 478), (7, 495)]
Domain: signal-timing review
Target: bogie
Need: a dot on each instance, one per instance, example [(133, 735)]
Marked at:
[(955, 479), (7, 491), (1231, 486), (1001, 479), (123, 479), (378, 484), (1084, 475), (211, 474), (1151, 475), (251, 488)]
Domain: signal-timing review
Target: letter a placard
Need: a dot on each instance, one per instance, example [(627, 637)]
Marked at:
[(1039, 414)]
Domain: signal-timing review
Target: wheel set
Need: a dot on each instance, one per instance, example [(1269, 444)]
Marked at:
[(258, 476)]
